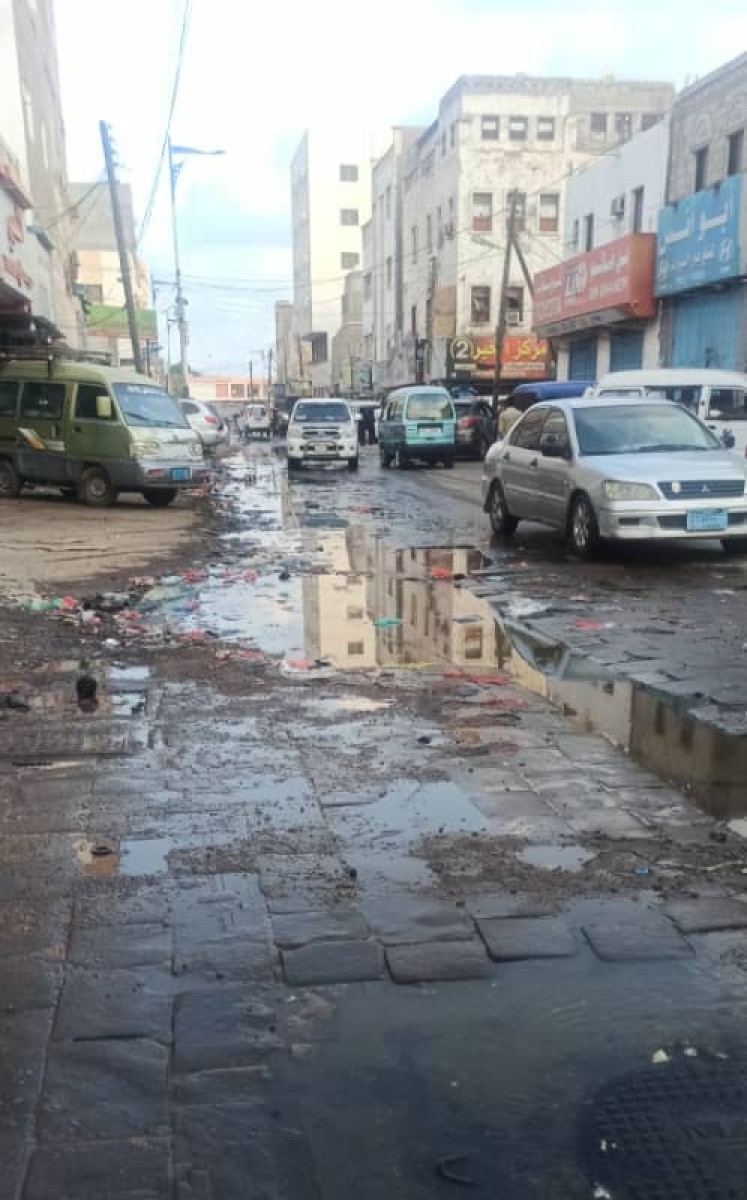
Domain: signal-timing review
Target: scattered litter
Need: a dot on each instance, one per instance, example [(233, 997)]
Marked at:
[(690, 1052), (101, 850), (584, 623), (522, 606), (424, 740), (601, 1193), (442, 573), (387, 622), (14, 702), (641, 870), (487, 680), (660, 1056)]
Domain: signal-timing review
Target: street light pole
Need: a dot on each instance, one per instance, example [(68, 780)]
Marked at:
[(181, 319)]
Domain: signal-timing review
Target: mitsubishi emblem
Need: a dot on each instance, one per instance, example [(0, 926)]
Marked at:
[(705, 488)]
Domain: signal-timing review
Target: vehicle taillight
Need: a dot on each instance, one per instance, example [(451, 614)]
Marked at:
[(211, 420), (467, 422)]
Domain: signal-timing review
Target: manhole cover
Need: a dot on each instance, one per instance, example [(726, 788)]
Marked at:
[(676, 1131)]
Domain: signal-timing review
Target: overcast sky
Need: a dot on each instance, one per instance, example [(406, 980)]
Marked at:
[(255, 75)]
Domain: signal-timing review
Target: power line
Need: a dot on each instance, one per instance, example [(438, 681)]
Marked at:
[(186, 14)]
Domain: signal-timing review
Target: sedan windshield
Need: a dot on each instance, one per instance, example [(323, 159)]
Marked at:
[(427, 406), (321, 412), (640, 428), (142, 405)]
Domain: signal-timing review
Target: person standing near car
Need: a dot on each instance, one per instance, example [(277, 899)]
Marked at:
[(508, 417)]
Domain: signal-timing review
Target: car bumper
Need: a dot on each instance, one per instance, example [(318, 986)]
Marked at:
[(631, 522), (327, 452), (210, 437), (137, 474), (431, 451)]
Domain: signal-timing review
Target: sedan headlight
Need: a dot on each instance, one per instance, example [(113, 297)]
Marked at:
[(617, 489)]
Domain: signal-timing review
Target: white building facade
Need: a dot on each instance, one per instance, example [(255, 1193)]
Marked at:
[(330, 204), (494, 138), (611, 212)]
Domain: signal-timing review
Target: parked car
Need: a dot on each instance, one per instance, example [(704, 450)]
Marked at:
[(93, 431), (617, 468), (418, 423), (322, 431), (207, 424), (475, 426), (257, 421)]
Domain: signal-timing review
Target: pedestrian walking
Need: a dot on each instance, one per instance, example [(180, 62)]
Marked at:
[(508, 417)]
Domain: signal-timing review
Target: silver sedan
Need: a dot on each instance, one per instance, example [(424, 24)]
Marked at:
[(616, 468)]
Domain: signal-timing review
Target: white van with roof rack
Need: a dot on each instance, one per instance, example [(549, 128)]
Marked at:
[(718, 397)]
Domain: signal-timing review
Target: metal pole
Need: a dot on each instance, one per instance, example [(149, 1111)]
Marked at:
[(124, 262), (251, 380), (500, 328), (180, 317)]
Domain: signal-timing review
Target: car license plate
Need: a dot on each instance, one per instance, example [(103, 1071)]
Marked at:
[(430, 431), (180, 473), (706, 520)]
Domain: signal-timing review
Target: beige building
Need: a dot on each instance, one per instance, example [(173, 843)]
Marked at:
[(347, 377), (33, 131)]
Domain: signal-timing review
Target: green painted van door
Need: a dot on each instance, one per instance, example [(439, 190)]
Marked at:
[(90, 438), (42, 414)]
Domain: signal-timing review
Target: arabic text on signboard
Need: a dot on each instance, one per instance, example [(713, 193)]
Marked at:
[(618, 275), (698, 239), (521, 357)]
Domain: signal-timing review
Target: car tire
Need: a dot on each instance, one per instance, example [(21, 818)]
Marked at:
[(737, 545), (10, 480), (401, 461), (294, 464), (502, 522), (583, 527), (95, 489), (449, 463), (160, 497), (353, 463)]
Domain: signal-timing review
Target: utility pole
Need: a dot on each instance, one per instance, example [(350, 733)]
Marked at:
[(251, 380), (124, 262), (181, 319), (429, 305), (270, 357), (500, 329)]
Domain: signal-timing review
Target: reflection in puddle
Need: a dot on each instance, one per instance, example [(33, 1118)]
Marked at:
[(99, 859), (556, 858), (146, 856)]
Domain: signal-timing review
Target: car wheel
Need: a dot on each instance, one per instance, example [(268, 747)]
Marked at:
[(583, 528), (353, 463), (95, 489), (502, 521), (294, 464), (160, 497), (736, 545), (10, 480), (401, 461), (449, 463)]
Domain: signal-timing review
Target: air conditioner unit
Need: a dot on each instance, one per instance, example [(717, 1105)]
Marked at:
[(513, 317), (617, 207)]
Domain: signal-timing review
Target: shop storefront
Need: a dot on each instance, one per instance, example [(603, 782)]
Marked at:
[(599, 308), (523, 359), (700, 270)]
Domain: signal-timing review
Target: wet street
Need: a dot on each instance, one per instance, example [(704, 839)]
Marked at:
[(364, 856)]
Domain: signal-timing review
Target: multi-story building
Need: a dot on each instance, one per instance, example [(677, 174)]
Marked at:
[(32, 128), (495, 138), (347, 369), (330, 203), (25, 252), (702, 235), (598, 305)]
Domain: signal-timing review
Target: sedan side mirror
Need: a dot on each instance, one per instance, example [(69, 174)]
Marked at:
[(551, 446)]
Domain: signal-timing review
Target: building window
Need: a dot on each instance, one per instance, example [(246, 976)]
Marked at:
[(482, 212), (598, 122), (429, 231), (518, 128), (636, 220), (93, 293), (575, 234), (414, 320), (701, 168), (319, 348), (349, 260), (589, 231), (480, 305), (490, 129), (452, 134), (624, 125), (649, 119), (545, 129), (520, 209), (388, 201), (355, 649), (549, 212), (736, 152), (221, 391), (348, 173), (414, 243), (514, 305), (389, 272), (348, 216), (238, 391)]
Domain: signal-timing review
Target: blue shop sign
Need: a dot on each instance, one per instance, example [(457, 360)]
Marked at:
[(698, 239)]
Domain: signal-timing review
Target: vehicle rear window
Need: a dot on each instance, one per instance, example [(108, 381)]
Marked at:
[(729, 402), (43, 400), (427, 406), (8, 398), (321, 412), (640, 428)]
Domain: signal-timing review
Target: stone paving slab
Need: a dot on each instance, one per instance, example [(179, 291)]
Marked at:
[(243, 956), (333, 962), (120, 945), (515, 938), (14, 1152), (229, 1085), (506, 904), (223, 1027), (411, 919), (35, 925), (636, 941), (292, 930), (27, 983), (104, 1170), (438, 961), (23, 1048), (113, 1003), (104, 1089), (708, 915)]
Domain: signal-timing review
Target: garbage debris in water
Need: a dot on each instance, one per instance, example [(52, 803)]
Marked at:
[(14, 702), (584, 623), (387, 622), (660, 1056)]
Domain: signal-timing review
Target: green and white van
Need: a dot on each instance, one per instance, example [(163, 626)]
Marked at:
[(418, 423), (94, 431)]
